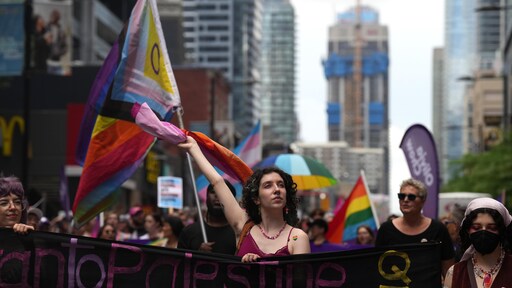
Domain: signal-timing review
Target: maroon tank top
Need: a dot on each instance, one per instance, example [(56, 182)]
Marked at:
[(250, 246)]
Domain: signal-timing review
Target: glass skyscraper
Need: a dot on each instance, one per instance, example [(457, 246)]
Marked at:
[(279, 118), (226, 35), (459, 60)]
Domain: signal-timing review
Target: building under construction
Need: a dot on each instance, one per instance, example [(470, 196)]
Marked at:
[(357, 74)]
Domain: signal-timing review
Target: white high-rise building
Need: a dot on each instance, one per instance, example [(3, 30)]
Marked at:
[(357, 75)]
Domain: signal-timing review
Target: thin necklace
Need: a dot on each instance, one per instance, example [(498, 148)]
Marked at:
[(271, 237), (487, 275)]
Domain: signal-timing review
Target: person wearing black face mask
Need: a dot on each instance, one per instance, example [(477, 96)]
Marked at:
[(484, 233), (221, 237)]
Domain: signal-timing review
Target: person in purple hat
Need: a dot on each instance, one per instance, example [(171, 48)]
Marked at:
[(137, 222)]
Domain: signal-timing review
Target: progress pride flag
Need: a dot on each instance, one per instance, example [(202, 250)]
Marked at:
[(421, 155)]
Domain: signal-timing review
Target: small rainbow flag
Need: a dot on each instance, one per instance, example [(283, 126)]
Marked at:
[(356, 210)]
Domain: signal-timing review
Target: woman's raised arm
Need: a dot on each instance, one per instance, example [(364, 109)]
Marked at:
[(235, 215)]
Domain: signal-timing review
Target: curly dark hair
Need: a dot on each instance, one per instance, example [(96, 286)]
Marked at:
[(250, 193), (504, 232)]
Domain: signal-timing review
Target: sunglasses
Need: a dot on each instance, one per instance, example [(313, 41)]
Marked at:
[(410, 197)]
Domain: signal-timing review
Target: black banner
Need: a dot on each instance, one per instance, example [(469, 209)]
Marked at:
[(42, 259)]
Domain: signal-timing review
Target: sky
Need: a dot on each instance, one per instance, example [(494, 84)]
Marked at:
[(415, 28)]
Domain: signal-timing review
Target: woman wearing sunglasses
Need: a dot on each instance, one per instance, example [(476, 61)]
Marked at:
[(413, 226)]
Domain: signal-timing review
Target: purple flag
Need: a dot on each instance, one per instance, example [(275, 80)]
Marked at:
[(421, 155)]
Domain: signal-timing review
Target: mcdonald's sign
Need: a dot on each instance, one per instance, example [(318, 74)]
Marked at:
[(6, 132)]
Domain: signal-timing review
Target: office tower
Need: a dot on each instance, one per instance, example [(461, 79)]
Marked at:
[(278, 73), (99, 23), (226, 35), (488, 33), (484, 107), (437, 99), (459, 62), (171, 18), (357, 75), (507, 68), (368, 93)]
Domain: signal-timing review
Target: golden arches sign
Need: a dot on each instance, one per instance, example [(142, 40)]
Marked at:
[(6, 131)]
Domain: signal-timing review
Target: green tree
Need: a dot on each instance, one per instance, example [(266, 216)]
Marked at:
[(487, 172)]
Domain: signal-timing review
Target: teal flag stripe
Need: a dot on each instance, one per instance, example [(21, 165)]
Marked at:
[(350, 232)]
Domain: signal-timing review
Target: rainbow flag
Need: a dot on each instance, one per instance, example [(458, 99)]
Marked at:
[(356, 210), (249, 150), (117, 146)]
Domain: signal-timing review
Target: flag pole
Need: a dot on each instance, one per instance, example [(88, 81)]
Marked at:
[(27, 90), (192, 176), (375, 218)]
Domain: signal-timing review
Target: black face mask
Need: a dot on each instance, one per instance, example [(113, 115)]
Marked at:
[(484, 241)]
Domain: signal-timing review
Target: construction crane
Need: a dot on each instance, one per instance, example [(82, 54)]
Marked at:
[(358, 78)]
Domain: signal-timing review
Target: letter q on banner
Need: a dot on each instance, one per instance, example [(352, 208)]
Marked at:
[(421, 155)]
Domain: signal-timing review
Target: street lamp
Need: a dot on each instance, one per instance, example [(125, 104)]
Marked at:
[(492, 7), (466, 79)]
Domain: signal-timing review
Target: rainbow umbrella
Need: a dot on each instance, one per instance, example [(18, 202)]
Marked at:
[(306, 171)]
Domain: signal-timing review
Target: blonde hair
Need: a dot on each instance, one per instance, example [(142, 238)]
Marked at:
[(422, 189)]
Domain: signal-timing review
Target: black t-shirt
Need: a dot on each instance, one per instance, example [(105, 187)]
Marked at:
[(388, 234), (224, 238)]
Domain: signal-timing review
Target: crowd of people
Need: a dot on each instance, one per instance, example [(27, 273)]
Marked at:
[(475, 241)]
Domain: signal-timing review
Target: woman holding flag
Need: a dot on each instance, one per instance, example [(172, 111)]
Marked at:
[(266, 226)]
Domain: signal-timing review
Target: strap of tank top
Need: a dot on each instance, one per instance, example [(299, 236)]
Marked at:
[(471, 274), (245, 230), (289, 234)]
